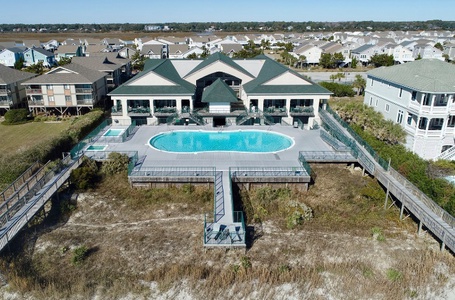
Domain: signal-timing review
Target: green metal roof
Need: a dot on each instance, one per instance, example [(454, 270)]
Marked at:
[(272, 69), (219, 57), (424, 75), (164, 68), (218, 91)]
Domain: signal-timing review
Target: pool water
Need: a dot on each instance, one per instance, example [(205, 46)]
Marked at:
[(96, 148), (114, 132), (254, 141)]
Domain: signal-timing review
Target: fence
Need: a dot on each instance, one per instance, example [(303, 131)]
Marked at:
[(22, 179), (90, 138)]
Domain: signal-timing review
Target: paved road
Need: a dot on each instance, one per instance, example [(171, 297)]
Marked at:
[(325, 76)]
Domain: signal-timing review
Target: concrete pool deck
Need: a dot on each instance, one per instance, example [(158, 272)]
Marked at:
[(305, 140)]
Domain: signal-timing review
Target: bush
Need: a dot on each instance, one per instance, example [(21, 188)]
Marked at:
[(16, 116), (86, 176), (338, 89), (115, 164), (79, 255)]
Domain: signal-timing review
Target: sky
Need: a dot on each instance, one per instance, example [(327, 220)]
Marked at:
[(153, 11)]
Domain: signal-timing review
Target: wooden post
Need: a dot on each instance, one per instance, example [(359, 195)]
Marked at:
[(401, 211), (420, 228), (386, 195)]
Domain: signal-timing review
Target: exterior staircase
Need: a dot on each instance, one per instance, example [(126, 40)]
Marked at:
[(449, 154)]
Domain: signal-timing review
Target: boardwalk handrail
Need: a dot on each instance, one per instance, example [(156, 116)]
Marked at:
[(268, 171), (22, 216), (15, 185), (174, 171), (425, 209)]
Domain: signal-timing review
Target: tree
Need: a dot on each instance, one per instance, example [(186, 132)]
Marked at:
[(265, 45), (439, 46), (326, 61), (138, 61), (205, 52), (64, 61), (338, 89), (19, 64), (380, 60), (288, 59), (354, 63), (37, 68), (337, 58), (249, 51), (338, 76), (192, 56), (359, 83)]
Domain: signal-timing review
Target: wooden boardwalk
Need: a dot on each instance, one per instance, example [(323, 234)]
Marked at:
[(412, 200)]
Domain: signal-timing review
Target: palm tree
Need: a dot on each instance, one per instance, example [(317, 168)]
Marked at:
[(359, 83)]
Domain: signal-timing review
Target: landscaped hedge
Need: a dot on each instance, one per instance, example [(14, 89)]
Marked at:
[(16, 116), (11, 166), (339, 89)]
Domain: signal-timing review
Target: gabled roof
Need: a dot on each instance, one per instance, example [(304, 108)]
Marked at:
[(362, 48), (162, 69), (219, 57), (269, 81), (218, 91), (9, 75), (41, 51), (68, 74), (425, 75), (15, 49)]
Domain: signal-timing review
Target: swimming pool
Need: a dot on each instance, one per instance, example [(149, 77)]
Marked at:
[(114, 132), (253, 141), (96, 148)]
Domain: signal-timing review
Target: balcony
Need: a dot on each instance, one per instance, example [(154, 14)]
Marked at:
[(84, 90), (88, 102), (34, 91), (116, 110), (6, 103), (275, 111), (139, 111), (302, 111), (36, 103), (4, 92), (165, 111)]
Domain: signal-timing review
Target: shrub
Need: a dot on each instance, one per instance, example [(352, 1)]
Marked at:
[(16, 116), (338, 89), (115, 164), (86, 176), (79, 255), (394, 275)]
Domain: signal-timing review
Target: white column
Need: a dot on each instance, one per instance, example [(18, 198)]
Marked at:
[(124, 108), (178, 104)]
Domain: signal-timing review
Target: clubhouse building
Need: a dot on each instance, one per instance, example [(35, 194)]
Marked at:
[(218, 91)]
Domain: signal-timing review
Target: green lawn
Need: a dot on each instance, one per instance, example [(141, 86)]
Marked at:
[(15, 138)]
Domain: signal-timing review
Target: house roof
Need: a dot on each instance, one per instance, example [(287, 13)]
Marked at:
[(273, 70), (67, 49), (41, 51), (68, 74), (101, 61), (152, 48), (219, 57), (9, 75), (362, 48), (161, 69), (218, 91), (425, 75)]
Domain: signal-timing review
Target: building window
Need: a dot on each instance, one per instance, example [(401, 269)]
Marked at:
[(371, 101), (414, 96), (50, 87), (436, 124), (66, 86), (387, 107), (401, 93), (427, 100), (377, 102), (51, 99), (409, 120), (400, 116), (423, 123), (68, 98), (451, 122), (372, 81)]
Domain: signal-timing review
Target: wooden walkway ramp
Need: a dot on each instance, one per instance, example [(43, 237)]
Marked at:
[(30, 198), (412, 200)]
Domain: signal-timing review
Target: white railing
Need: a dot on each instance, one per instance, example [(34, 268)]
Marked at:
[(448, 154)]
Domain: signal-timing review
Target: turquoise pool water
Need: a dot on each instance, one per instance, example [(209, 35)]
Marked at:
[(254, 141), (114, 132), (96, 148)]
